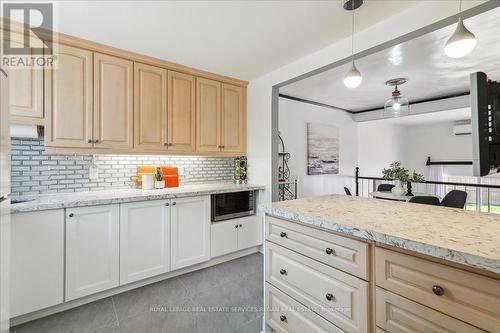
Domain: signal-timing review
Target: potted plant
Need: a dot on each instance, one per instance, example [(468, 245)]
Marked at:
[(397, 173), (159, 182)]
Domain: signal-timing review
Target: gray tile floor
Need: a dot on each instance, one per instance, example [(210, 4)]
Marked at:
[(233, 285)]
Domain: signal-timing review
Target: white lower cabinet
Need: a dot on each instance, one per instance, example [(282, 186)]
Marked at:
[(235, 234), (92, 250), (190, 227), (144, 240), (37, 261)]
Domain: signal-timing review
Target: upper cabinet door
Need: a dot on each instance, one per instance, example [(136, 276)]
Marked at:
[(150, 108), (208, 115), (113, 102), (181, 112), (26, 90), (68, 98), (233, 119)]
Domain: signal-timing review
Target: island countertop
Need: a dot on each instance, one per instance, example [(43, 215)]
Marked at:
[(465, 237), (93, 198)]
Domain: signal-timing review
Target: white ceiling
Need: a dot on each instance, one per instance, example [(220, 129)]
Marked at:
[(422, 60), (243, 39)]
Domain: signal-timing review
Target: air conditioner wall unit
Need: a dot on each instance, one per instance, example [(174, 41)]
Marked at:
[(465, 129)]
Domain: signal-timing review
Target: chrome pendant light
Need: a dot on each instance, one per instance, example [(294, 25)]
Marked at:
[(462, 42), (397, 105), (353, 78)]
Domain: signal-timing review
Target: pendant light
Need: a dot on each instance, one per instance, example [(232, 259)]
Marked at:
[(397, 105), (353, 78), (462, 42)]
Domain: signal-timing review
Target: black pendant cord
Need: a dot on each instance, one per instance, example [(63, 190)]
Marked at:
[(352, 33)]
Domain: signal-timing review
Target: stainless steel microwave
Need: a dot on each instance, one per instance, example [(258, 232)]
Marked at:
[(231, 205)]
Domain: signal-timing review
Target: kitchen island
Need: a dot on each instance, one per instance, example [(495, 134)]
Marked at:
[(365, 265)]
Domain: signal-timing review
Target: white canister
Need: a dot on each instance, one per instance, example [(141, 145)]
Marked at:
[(147, 182)]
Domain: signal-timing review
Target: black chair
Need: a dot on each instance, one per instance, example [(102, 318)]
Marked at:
[(426, 200), (385, 187), (347, 192), (454, 199)]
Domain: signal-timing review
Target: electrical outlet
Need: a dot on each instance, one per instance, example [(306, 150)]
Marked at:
[(93, 172)]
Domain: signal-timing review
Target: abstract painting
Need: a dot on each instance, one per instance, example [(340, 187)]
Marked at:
[(322, 149)]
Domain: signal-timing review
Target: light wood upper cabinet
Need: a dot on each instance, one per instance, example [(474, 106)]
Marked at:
[(26, 91), (233, 119), (208, 115), (113, 102), (181, 112), (69, 100), (150, 108)]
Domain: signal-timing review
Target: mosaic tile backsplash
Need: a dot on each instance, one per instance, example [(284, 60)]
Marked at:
[(35, 172)]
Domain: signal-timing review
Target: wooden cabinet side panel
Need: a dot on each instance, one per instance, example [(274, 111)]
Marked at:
[(113, 102), (150, 108), (181, 112)]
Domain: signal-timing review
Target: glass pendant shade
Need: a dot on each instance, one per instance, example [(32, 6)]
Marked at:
[(353, 78), (397, 106), (461, 43)]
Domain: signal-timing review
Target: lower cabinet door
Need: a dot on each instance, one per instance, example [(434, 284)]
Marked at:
[(285, 315), (249, 232), (92, 250), (190, 231), (144, 239), (37, 261), (224, 238)]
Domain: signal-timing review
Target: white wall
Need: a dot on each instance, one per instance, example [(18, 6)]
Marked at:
[(293, 119), (382, 142), (379, 144), (260, 90), (438, 142)]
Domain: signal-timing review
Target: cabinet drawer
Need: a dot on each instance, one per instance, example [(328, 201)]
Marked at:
[(470, 297), (346, 254), (337, 296), (285, 315), (396, 314)]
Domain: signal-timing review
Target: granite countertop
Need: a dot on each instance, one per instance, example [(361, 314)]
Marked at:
[(465, 237), (92, 198)]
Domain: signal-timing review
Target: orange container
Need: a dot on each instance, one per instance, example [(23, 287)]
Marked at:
[(170, 176), (143, 170)]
